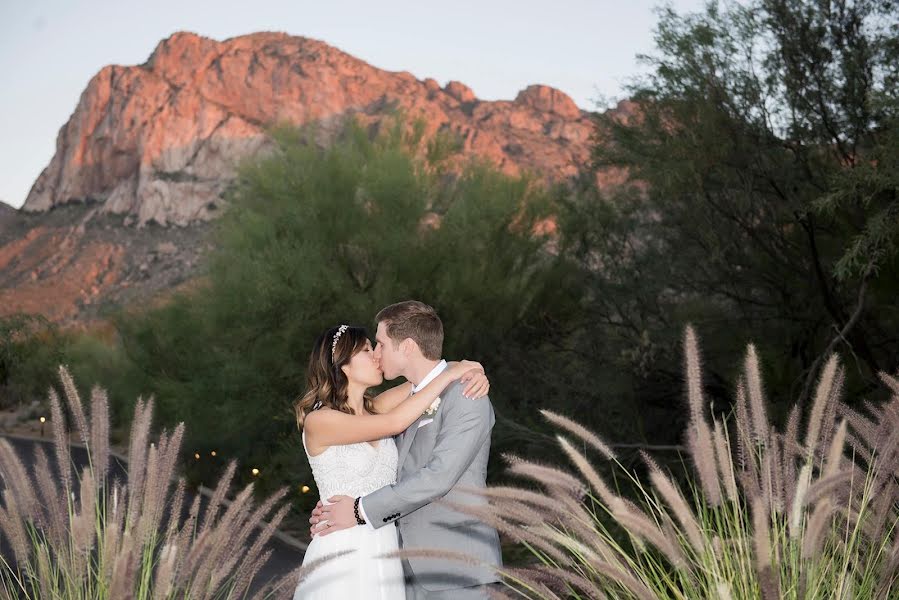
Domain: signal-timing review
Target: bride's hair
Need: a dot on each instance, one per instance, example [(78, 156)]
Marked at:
[(326, 383)]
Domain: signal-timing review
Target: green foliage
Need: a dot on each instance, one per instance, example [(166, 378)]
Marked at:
[(761, 198), (315, 237), (30, 349)]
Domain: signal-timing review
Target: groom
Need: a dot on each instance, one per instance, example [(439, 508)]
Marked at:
[(446, 449)]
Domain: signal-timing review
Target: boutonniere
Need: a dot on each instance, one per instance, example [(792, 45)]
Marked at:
[(433, 408)]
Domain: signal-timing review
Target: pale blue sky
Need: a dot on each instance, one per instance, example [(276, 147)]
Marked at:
[(49, 49)]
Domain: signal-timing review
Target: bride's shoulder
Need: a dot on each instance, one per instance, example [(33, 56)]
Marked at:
[(317, 416)]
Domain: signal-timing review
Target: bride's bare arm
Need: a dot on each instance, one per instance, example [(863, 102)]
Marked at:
[(327, 427), (387, 400)]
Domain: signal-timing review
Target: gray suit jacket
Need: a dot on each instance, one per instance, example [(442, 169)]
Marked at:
[(435, 459)]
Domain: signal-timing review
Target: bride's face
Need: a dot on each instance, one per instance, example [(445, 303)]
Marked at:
[(363, 367)]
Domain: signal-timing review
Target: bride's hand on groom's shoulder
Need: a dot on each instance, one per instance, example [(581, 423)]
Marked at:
[(335, 516), (474, 380)]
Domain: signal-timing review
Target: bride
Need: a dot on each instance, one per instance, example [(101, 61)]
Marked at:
[(347, 435)]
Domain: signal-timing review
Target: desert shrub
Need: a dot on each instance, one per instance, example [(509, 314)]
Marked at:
[(807, 512), (86, 535)]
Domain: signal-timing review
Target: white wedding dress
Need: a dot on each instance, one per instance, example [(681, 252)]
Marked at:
[(354, 470)]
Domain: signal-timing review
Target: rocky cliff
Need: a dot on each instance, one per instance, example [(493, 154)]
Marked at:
[(119, 213), (160, 141)]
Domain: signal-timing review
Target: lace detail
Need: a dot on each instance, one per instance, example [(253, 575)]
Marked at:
[(354, 469)]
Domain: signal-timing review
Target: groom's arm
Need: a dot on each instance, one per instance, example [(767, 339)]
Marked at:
[(465, 426)]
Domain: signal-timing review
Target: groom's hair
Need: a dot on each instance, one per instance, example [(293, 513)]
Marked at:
[(415, 320)]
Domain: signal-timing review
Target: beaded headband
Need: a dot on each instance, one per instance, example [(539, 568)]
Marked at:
[(337, 335)]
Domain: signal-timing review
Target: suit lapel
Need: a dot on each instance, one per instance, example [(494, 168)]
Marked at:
[(406, 443)]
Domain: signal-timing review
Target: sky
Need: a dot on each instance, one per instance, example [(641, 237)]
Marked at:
[(49, 50)]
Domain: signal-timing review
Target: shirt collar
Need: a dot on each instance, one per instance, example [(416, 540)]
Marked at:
[(430, 376)]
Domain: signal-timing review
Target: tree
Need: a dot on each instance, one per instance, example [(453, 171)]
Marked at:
[(30, 349), (318, 236), (761, 155)]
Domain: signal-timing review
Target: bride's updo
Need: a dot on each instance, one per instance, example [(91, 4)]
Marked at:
[(326, 383)]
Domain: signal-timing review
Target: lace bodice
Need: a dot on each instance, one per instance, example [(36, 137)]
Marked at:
[(354, 469)]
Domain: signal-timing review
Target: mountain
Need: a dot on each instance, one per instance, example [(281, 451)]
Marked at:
[(8, 215), (140, 167)]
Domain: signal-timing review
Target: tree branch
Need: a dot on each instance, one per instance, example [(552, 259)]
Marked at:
[(841, 335)]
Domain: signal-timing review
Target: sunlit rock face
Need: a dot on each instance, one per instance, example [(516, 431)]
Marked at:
[(120, 213), (159, 142)]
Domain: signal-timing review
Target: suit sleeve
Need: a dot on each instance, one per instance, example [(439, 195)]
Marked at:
[(465, 426)]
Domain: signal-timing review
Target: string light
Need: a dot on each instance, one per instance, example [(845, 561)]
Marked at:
[(305, 489), (213, 453), (43, 420), (197, 455), (255, 472)]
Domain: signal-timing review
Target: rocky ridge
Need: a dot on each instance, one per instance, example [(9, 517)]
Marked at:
[(120, 213)]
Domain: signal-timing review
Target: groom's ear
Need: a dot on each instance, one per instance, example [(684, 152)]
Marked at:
[(408, 346)]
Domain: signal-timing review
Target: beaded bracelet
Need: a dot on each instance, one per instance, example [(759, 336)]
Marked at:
[(359, 519)]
